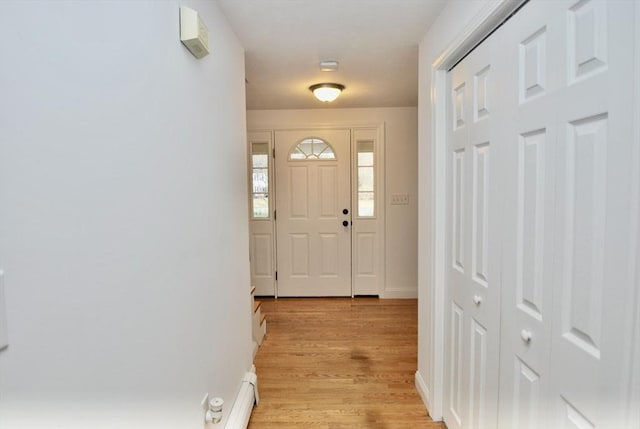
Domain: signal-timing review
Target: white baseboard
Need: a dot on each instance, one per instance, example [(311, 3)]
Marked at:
[(423, 390), (400, 294)]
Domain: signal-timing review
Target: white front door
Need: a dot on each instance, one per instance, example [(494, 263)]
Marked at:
[(313, 212)]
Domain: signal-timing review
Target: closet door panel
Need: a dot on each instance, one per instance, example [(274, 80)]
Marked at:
[(472, 247)]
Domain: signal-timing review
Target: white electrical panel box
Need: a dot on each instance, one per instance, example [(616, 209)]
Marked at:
[(4, 338), (193, 33)]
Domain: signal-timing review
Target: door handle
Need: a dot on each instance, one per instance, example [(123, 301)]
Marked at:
[(526, 336), (345, 223), (345, 212), (477, 299)]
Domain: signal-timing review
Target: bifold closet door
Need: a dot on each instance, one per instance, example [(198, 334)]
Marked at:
[(566, 277), (473, 245), (540, 221)]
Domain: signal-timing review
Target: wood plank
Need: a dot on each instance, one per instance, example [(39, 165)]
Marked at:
[(335, 363)]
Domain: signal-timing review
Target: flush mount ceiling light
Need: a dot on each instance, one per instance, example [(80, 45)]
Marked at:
[(326, 92)]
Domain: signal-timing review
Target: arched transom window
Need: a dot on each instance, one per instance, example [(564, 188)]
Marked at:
[(312, 149)]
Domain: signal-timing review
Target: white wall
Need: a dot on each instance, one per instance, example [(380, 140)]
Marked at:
[(123, 219), (401, 268), (448, 26)]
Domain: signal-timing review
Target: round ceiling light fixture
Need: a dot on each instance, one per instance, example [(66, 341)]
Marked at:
[(326, 92)]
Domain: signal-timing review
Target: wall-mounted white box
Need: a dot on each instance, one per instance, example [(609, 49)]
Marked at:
[(4, 336), (193, 33)]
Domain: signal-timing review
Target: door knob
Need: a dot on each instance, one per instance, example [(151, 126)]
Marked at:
[(477, 299), (345, 223), (345, 211), (526, 336)]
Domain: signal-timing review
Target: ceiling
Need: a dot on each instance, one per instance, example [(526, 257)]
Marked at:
[(375, 41)]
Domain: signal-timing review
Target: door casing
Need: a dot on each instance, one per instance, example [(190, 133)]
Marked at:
[(370, 230)]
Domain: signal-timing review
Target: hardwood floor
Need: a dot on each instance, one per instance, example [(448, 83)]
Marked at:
[(337, 363)]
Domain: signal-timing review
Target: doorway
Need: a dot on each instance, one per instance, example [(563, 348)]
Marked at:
[(317, 211)]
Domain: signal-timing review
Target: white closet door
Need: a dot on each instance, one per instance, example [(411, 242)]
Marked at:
[(592, 281), (531, 67), (473, 301), (566, 270)]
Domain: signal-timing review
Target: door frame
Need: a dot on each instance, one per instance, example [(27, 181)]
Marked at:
[(482, 24), (355, 128), (634, 397)]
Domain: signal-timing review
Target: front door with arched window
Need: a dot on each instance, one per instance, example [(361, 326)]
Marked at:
[(313, 203)]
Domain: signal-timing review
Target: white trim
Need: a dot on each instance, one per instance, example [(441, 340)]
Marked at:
[(633, 411), (423, 390), (333, 125), (489, 17), (381, 199), (399, 293), (481, 24)]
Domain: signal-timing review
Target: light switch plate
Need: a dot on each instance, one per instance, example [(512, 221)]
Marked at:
[(4, 336), (400, 199)]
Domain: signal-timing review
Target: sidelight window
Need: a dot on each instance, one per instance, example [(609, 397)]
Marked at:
[(366, 178), (260, 180)]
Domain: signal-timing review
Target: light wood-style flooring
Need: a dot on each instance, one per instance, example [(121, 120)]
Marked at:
[(335, 363)]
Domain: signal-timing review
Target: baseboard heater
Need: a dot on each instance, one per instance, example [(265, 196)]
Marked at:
[(243, 405)]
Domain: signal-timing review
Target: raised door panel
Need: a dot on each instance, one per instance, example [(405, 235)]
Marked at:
[(298, 186), (587, 39), (299, 255), (526, 396), (365, 261), (480, 215), (458, 210), (584, 212), (328, 192), (455, 400), (478, 389), (532, 70), (261, 252), (330, 255), (530, 233)]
